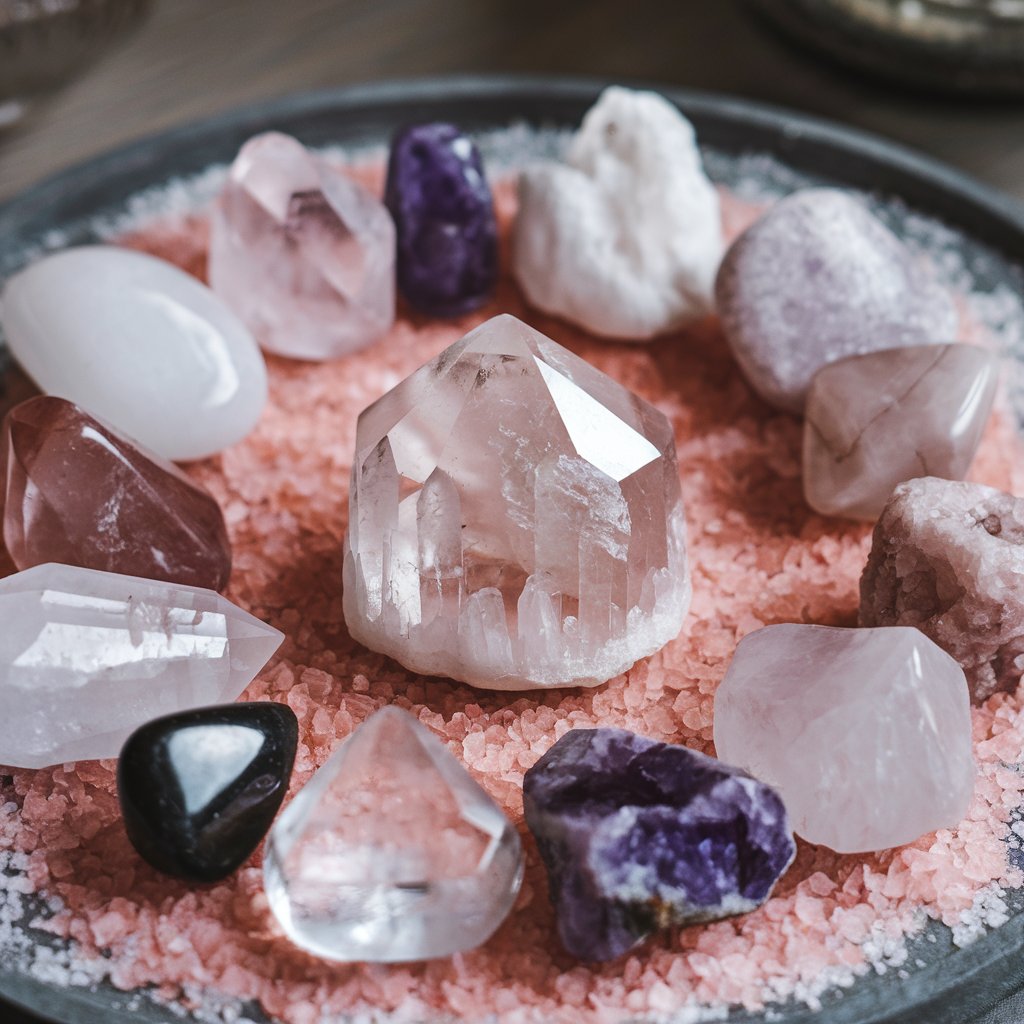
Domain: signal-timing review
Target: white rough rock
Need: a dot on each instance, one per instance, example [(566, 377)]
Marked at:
[(625, 237)]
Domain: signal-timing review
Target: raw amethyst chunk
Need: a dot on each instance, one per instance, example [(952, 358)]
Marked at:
[(443, 210), (639, 835)]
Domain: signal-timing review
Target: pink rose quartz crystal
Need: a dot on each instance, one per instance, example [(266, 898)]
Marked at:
[(878, 419), (948, 558)]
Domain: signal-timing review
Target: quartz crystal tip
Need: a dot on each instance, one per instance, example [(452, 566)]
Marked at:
[(86, 657), (515, 518), (199, 789), (77, 492), (866, 733), (639, 835), (391, 852)]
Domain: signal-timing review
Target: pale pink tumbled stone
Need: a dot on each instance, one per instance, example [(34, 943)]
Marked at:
[(303, 254), (878, 419), (948, 558), (866, 733)]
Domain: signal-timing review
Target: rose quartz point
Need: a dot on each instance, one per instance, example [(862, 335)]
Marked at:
[(948, 558), (866, 733), (303, 254), (878, 419), (78, 493)]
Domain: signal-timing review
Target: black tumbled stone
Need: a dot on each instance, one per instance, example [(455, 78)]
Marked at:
[(200, 788)]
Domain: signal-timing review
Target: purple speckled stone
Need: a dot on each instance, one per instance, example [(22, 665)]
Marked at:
[(639, 835), (444, 212)]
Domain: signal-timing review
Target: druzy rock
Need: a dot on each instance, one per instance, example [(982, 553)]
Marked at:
[(140, 344), (77, 492), (391, 852), (639, 835), (817, 278), (948, 558), (86, 657), (625, 236), (515, 518), (437, 192), (302, 253), (878, 419), (199, 789), (866, 733)]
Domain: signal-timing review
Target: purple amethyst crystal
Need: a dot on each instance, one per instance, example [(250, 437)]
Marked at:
[(639, 835), (442, 207)]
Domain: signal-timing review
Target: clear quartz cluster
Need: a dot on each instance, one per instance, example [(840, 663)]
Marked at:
[(515, 518), (392, 852)]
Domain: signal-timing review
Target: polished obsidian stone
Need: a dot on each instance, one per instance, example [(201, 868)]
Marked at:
[(437, 193), (199, 789)]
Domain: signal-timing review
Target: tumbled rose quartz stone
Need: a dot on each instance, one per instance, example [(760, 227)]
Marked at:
[(866, 733), (818, 278), (140, 344), (77, 492), (86, 657), (948, 558), (875, 420), (391, 852), (638, 836), (438, 194), (302, 253), (515, 519)]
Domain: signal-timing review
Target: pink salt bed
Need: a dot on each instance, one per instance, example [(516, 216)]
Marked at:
[(759, 556)]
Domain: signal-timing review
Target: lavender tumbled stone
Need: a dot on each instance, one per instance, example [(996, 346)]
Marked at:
[(639, 835), (444, 212)]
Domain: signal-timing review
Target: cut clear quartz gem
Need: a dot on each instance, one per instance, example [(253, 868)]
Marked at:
[(392, 852), (515, 518)]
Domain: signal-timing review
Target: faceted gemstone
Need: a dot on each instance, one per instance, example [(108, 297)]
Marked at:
[(444, 215), (392, 852), (878, 419), (515, 518), (140, 344), (302, 253), (624, 237), (639, 835), (816, 279), (86, 657), (948, 558), (77, 492), (199, 789), (866, 733)]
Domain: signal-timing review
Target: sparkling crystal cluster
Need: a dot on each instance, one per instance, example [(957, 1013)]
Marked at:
[(515, 518), (392, 852)]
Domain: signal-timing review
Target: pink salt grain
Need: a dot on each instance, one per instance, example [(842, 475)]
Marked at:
[(759, 556)]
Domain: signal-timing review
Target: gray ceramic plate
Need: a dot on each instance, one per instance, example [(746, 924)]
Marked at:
[(942, 983)]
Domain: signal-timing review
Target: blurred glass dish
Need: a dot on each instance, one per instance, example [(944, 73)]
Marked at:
[(970, 46), (46, 43)]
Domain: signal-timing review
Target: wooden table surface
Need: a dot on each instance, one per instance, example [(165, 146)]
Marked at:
[(194, 58)]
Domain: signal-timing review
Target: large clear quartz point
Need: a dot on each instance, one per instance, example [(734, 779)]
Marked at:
[(86, 657), (515, 518), (392, 852)]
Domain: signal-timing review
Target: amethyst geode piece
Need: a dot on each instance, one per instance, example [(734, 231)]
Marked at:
[(639, 835), (442, 206)]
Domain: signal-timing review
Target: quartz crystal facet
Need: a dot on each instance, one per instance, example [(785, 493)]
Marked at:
[(639, 835), (392, 852), (438, 194), (515, 518), (86, 657), (139, 343), (818, 278), (876, 420), (79, 493), (948, 558), (866, 733), (199, 789), (304, 254)]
